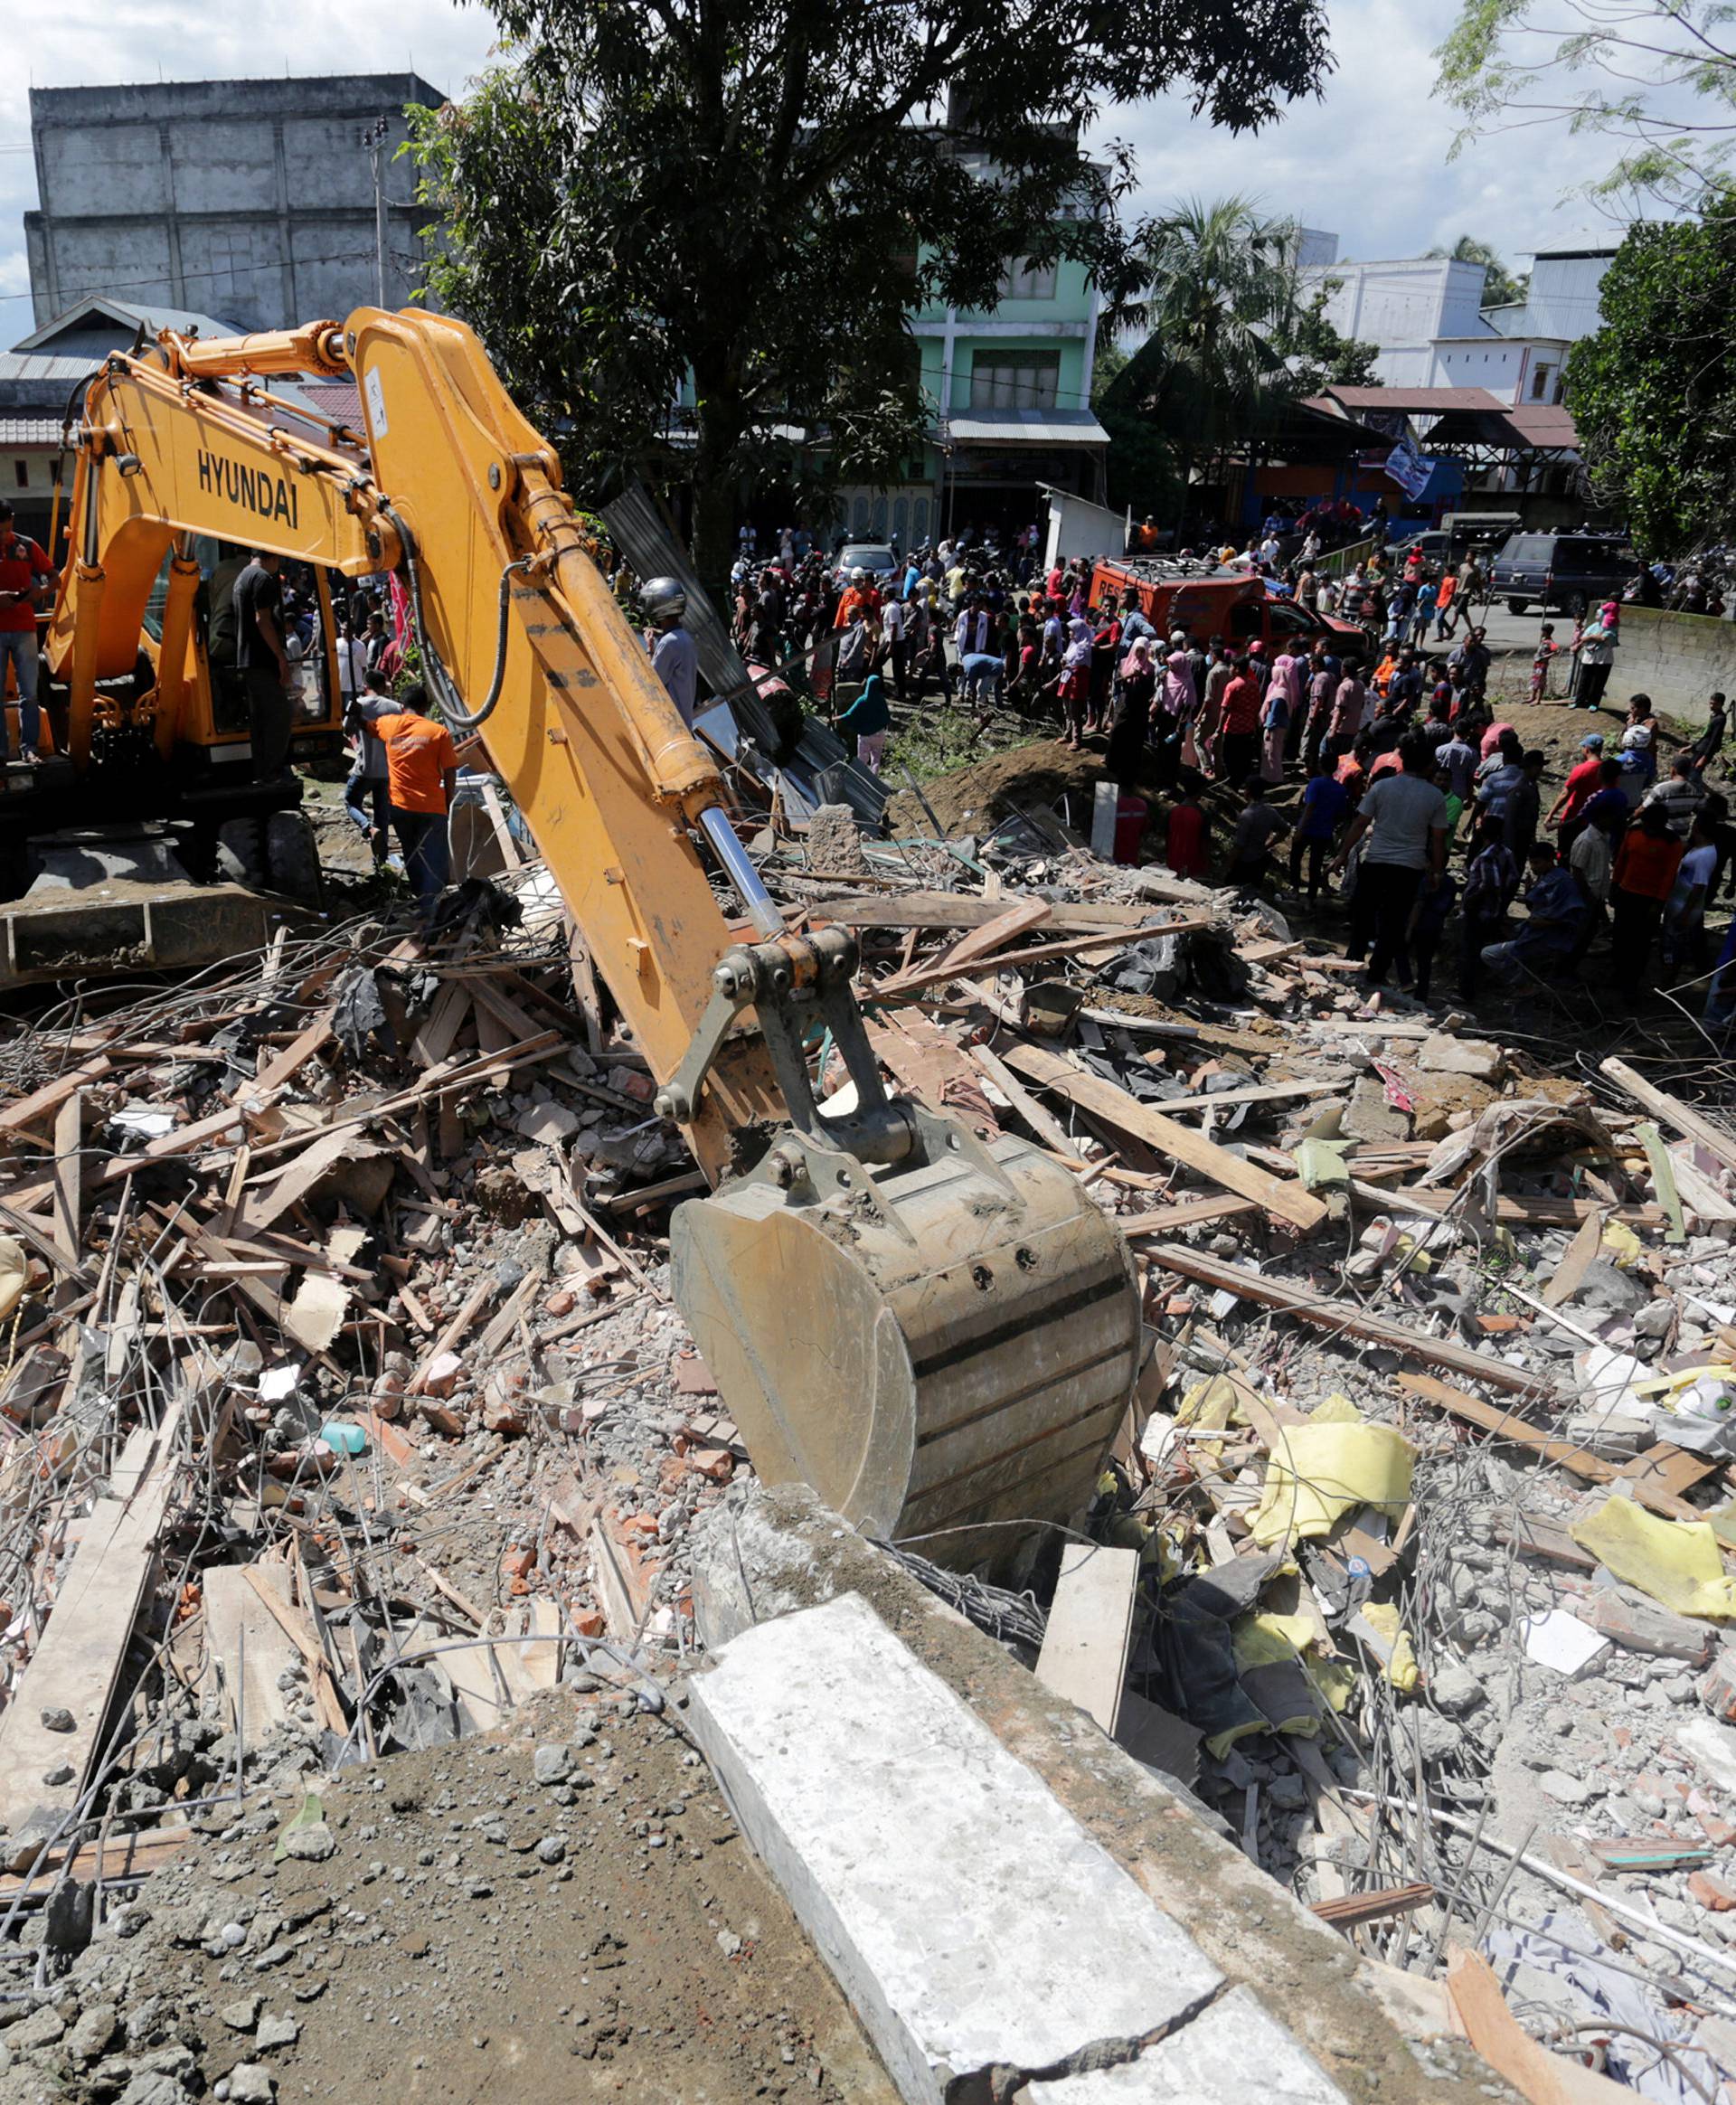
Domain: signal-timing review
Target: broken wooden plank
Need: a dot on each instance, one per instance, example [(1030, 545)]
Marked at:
[(1330, 1314), (77, 1663), (1041, 1122), (247, 1648), (912, 983), (1086, 1640), (1540, 2077), (964, 910), (44, 1103), (1507, 1426), (1106, 1099), (69, 1181), (1266, 1092), (976, 943), (456, 1329), (1715, 1140), (300, 1631), (110, 1856), (1577, 1259), (1354, 1909), (276, 1073)]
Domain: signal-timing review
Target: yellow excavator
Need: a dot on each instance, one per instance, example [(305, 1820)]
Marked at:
[(939, 1333)]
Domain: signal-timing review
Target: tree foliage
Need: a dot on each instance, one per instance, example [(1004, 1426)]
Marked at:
[(1653, 394), (1231, 336), (1500, 288), (1315, 355), (1656, 77), (752, 196)]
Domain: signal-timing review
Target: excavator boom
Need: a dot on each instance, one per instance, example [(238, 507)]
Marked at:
[(938, 1334)]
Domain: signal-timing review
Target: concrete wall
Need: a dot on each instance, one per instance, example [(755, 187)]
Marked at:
[(1676, 658), (249, 199)]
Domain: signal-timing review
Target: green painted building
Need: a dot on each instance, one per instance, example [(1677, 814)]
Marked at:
[(1009, 395)]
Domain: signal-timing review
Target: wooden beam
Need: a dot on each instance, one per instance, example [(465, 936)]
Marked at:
[(1073, 947), (965, 910), (1715, 1140), (1581, 1461), (1330, 1314), (1107, 1099)]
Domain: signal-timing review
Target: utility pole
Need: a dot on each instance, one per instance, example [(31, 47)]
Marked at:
[(372, 139)]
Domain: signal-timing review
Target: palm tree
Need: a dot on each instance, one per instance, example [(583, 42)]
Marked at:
[(1220, 284), (1500, 287)]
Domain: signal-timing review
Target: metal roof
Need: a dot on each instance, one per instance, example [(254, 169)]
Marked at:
[(1543, 424), (97, 308), (1412, 401), (25, 366), (1026, 427)]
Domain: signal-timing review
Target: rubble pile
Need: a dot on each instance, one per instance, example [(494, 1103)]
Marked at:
[(345, 1413)]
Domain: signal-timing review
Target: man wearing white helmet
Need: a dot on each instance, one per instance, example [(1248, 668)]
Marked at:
[(674, 654)]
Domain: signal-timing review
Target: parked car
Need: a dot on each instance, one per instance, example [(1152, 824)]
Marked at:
[(1561, 574), (875, 557)]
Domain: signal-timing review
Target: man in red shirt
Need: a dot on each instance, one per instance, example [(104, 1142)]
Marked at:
[(422, 772), (1239, 736), (24, 570), (1581, 782), (1645, 876)]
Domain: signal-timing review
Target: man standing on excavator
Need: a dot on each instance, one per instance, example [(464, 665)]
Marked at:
[(264, 663), (23, 569)]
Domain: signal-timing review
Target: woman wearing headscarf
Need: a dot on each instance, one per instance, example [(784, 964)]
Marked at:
[(1178, 705), (1076, 682), (1283, 700), (1132, 712), (869, 717), (1105, 649)]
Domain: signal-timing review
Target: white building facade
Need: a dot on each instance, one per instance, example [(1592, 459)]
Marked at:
[(1423, 316)]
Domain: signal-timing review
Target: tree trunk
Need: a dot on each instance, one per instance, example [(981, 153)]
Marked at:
[(720, 434)]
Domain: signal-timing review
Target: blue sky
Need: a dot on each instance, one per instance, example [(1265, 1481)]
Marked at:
[(1367, 162)]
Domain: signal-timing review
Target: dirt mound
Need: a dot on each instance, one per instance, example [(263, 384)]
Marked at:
[(1027, 778)]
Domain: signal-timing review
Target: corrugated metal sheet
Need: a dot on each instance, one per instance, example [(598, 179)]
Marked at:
[(820, 770)]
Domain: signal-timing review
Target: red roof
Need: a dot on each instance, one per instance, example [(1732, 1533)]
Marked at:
[(1543, 424), (1415, 401), (335, 399)]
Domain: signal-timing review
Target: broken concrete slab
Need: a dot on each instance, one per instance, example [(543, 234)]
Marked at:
[(1233, 2054), (1475, 1057), (972, 1921)]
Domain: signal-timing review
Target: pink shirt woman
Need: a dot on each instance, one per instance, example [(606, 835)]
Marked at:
[(1178, 697)]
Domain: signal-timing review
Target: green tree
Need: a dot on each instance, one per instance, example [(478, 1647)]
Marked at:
[(1315, 353), (1653, 394), (1500, 287), (1231, 339), (751, 196), (1657, 78)]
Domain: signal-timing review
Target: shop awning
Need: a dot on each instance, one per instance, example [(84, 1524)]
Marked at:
[(1024, 428)]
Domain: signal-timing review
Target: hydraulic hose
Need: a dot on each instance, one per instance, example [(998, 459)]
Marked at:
[(452, 708)]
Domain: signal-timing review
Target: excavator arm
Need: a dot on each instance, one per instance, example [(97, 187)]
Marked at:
[(938, 1334)]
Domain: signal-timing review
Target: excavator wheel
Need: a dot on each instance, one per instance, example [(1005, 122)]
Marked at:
[(944, 1356)]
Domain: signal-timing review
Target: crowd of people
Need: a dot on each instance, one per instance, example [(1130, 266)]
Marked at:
[(1424, 813), (1432, 814)]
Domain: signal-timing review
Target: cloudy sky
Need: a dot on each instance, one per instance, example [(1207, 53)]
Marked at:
[(1368, 162)]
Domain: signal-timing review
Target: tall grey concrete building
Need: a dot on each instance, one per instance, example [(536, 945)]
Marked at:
[(250, 200)]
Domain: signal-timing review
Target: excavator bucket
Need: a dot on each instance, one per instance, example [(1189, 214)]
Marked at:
[(943, 1351)]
